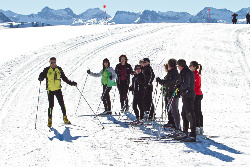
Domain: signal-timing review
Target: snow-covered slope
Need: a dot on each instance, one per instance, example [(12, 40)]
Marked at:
[(222, 49)]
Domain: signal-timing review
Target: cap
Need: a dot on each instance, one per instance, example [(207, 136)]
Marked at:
[(146, 59)]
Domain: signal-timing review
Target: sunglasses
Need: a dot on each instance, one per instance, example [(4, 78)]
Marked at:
[(138, 69), (123, 58), (52, 62)]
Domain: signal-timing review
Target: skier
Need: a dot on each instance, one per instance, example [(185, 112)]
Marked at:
[(234, 20), (170, 82), (148, 87), (138, 91), (194, 66), (141, 63), (108, 80), (248, 18), (186, 87), (53, 75), (123, 71)]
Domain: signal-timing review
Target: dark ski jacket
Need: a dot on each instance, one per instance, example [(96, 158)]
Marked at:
[(234, 16), (53, 78), (248, 17), (170, 81), (148, 75), (128, 69), (187, 83), (138, 84)]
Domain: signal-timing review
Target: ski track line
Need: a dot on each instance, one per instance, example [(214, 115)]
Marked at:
[(242, 59)]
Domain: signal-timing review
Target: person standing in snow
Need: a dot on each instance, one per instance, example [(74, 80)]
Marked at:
[(123, 71), (170, 83), (186, 87), (234, 20), (149, 76), (248, 18), (194, 66), (137, 88), (108, 80), (53, 75)]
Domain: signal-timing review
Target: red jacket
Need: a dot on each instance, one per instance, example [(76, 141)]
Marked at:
[(197, 88)]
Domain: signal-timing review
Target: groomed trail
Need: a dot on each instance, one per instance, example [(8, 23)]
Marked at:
[(222, 49)]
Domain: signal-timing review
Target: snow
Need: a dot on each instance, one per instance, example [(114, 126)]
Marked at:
[(222, 49)]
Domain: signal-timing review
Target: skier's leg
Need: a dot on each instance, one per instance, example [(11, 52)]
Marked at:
[(51, 103), (170, 112), (104, 98), (135, 102), (59, 97), (125, 93), (108, 98), (140, 105), (175, 113), (196, 111), (191, 115), (121, 94), (184, 117)]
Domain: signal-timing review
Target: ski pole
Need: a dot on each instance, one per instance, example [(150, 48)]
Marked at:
[(82, 91), (90, 107), (38, 103), (102, 98)]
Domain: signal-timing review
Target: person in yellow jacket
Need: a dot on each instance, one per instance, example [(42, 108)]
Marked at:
[(53, 75), (108, 80)]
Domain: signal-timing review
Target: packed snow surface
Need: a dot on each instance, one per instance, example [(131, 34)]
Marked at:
[(222, 49)]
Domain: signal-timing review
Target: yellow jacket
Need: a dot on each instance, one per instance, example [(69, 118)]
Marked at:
[(53, 78)]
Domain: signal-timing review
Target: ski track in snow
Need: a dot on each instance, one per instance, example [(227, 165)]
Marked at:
[(223, 50)]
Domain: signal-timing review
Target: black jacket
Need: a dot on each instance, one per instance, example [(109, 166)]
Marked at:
[(170, 81), (148, 75), (187, 83), (118, 72), (247, 16), (137, 84)]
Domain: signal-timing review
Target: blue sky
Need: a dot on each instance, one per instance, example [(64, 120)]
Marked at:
[(79, 6)]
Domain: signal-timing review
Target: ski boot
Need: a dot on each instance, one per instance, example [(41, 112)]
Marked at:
[(65, 119), (50, 122)]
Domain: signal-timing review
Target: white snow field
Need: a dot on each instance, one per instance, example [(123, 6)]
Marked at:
[(222, 49)]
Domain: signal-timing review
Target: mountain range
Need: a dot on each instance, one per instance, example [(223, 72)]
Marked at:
[(97, 16)]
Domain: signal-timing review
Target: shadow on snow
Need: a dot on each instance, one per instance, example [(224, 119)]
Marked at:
[(65, 136), (203, 145)]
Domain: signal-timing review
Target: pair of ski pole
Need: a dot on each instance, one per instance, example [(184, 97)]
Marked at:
[(78, 103)]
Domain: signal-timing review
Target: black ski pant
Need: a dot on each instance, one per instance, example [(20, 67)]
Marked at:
[(197, 110), (106, 98), (123, 91), (188, 115), (148, 101), (248, 21), (59, 96), (173, 112), (138, 101)]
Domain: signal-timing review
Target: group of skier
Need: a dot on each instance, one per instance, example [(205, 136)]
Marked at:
[(234, 19), (185, 84)]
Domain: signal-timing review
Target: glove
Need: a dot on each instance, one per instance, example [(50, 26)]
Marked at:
[(178, 85), (74, 84), (158, 79), (130, 88), (40, 79), (110, 77), (88, 71)]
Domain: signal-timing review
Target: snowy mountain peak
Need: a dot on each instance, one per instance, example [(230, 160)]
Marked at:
[(3, 18)]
